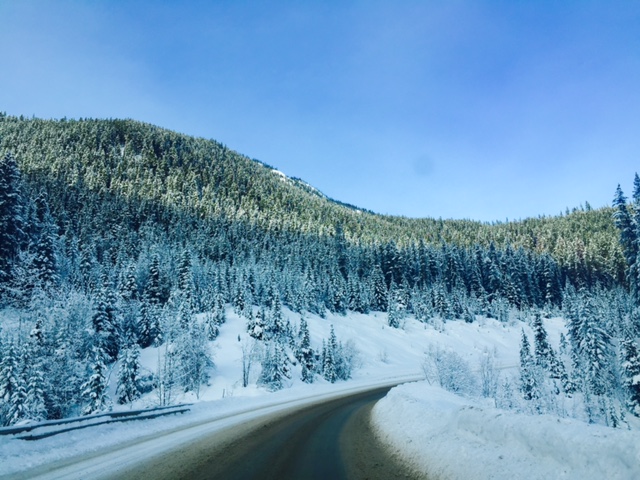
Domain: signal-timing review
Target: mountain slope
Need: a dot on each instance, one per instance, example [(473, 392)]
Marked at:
[(133, 160)]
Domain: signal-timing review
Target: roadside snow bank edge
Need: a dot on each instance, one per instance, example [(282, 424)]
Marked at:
[(450, 437)]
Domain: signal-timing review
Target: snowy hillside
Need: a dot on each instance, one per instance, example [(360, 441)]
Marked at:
[(410, 420), (383, 352)]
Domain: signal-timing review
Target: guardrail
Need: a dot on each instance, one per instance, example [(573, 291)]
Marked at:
[(91, 421)]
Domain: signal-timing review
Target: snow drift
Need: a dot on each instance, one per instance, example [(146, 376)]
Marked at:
[(451, 437)]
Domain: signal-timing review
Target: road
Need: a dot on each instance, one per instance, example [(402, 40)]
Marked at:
[(327, 441), (324, 439)]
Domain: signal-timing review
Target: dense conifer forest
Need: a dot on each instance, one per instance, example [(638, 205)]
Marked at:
[(115, 235)]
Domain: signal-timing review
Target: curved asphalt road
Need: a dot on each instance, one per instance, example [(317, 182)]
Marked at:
[(329, 441)]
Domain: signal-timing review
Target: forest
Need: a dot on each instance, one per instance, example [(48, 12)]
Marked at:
[(116, 235)]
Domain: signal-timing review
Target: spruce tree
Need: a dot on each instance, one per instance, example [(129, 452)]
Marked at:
[(256, 325), (631, 374), (628, 238), (396, 306), (544, 354), (597, 351), (329, 366), (94, 390), (193, 358), (184, 294), (275, 368), (380, 293), (305, 353), (128, 375), (9, 379), (129, 285), (11, 216), (44, 260), (529, 387), (145, 337), (18, 400), (35, 408), (153, 291), (546, 358), (211, 326), (276, 326)]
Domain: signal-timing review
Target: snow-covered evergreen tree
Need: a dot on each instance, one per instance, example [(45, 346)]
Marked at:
[(153, 289), (129, 285), (275, 328), (628, 238), (18, 402), (9, 379), (11, 216), (380, 293), (183, 297), (396, 306), (275, 367), (35, 401), (256, 325), (305, 353), (329, 366), (546, 358), (631, 374), (44, 263), (95, 389), (211, 326), (529, 383), (128, 375), (192, 359)]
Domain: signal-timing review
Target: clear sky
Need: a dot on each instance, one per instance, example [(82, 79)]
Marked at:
[(455, 109)]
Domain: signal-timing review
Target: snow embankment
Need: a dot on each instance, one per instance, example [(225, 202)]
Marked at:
[(450, 437)]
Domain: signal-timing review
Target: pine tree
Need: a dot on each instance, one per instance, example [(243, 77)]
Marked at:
[(44, 260), (35, 398), (275, 326), (153, 291), (193, 359), (9, 380), (337, 293), (380, 293), (94, 390), (105, 322), (305, 354), (112, 330), (546, 358), (628, 238), (631, 374), (329, 365), (544, 354), (211, 326), (184, 296), (129, 285), (18, 400), (275, 368), (11, 216), (256, 325), (239, 300), (528, 378), (219, 309), (596, 349), (128, 375), (397, 306), (145, 338)]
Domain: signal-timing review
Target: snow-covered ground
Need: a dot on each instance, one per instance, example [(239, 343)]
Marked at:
[(451, 437), (386, 355)]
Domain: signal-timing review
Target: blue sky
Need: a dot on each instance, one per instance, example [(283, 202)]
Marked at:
[(454, 109)]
